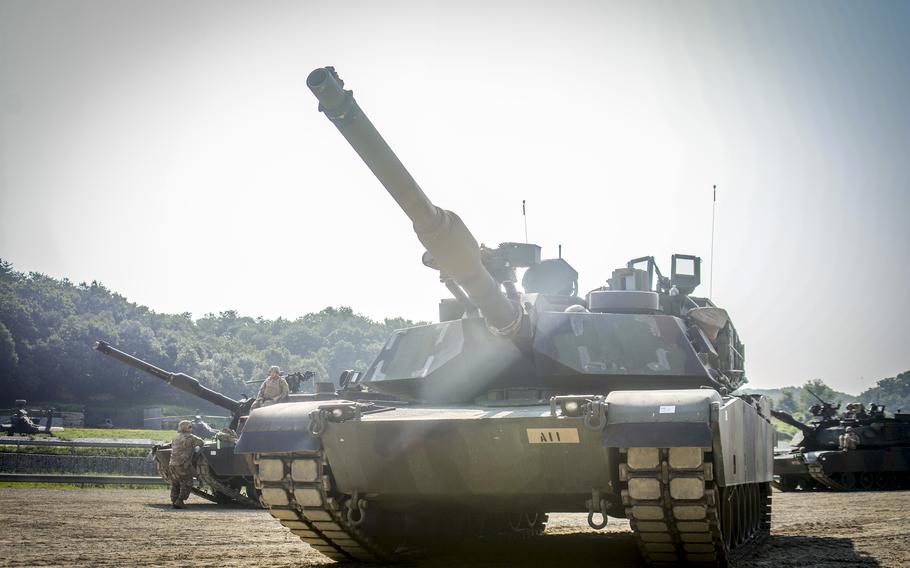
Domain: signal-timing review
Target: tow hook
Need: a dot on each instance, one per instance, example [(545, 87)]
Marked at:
[(597, 506)]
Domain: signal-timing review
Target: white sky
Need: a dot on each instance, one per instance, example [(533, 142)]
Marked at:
[(172, 151)]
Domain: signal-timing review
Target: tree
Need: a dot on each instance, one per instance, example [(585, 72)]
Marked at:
[(787, 401), (893, 392)]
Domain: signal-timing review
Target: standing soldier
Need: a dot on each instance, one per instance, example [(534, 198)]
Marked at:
[(273, 390), (849, 439), (181, 465)]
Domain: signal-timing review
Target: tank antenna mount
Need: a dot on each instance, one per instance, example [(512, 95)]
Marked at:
[(713, 209), (524, 215)]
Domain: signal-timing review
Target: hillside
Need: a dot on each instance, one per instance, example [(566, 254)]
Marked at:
[(48, 326)]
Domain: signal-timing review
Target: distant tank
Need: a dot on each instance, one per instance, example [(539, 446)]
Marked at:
[(824, 457), (518, 404), (223, 476)]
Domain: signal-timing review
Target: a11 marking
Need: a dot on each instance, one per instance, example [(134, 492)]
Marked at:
[(553, 436)]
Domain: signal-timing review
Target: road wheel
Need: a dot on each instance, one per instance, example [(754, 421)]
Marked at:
[(788, 483), (881, 480), (848, 480), (867, 480)]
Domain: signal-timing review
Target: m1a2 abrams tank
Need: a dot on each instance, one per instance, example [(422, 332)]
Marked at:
[(878, 457), (518, 404), (223, 476)]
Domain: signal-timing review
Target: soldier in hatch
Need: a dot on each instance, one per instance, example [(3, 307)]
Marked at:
[(849, 439), (181, 464), (273, 390)]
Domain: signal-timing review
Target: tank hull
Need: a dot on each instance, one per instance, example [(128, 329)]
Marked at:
[(222, 476), (837, 470), (661, 458)]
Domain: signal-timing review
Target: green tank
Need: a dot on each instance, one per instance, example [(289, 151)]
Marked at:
[(523, 402), (221, 476)]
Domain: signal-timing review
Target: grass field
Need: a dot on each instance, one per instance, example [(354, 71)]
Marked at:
[(116, 433), (156, 436)]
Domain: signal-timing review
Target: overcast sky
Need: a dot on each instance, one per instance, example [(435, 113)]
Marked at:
[(172, 151)]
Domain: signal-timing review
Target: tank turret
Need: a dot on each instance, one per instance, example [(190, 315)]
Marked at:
[(545, 340)]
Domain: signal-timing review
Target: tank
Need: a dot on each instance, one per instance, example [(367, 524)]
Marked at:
[(222, 477), (823, 456), (520, 403)]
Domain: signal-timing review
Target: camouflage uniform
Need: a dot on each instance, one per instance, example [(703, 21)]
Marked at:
[(273, 390), (181, 466), (849, 440)]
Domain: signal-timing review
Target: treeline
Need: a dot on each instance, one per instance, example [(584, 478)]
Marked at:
[(48, 326), (893, 392)]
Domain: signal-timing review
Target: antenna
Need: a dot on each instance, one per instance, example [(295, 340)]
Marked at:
[(560, 251), (524, 215), (711, 280)]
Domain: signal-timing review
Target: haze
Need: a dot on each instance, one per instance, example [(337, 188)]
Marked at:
[(172, 151)]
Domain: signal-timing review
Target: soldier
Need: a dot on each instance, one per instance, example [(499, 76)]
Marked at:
[(181, 465), (273, 390), (849, 439)]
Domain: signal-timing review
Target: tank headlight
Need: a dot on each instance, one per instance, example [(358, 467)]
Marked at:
[(570, 408)]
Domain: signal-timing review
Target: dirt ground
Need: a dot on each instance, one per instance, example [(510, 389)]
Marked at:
[(107, 527)]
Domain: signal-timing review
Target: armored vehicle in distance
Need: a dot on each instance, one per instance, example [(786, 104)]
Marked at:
[(21, 421), (824, 457), (521, 403), (223, 476)]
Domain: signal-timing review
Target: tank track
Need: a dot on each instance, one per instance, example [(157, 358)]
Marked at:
[(298, 490), (817, 473), (203, 472), (679, 515)]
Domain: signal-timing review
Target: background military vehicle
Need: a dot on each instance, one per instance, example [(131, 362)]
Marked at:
[(223, 477), (818, 460), (21, 421), (518, 404)]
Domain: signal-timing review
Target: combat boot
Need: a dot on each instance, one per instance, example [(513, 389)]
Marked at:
[(179, 504)]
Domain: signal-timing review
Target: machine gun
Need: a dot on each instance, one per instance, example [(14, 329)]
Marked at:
[(825, 410)]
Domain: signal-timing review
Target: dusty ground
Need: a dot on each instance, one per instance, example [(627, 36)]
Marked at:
[(55, 527)]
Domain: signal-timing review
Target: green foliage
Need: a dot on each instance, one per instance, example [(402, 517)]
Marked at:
[(787, 401), (893, 392), (48, 326)]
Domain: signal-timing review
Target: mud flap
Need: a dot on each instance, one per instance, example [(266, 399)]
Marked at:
[(659, 419), (280, 428)]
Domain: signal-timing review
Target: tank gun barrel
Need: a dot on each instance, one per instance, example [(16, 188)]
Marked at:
[(788, 418), (181, 381), (442, 232)]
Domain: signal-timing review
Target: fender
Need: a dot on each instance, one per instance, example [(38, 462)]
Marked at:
[(280, 428), (659, 419)]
